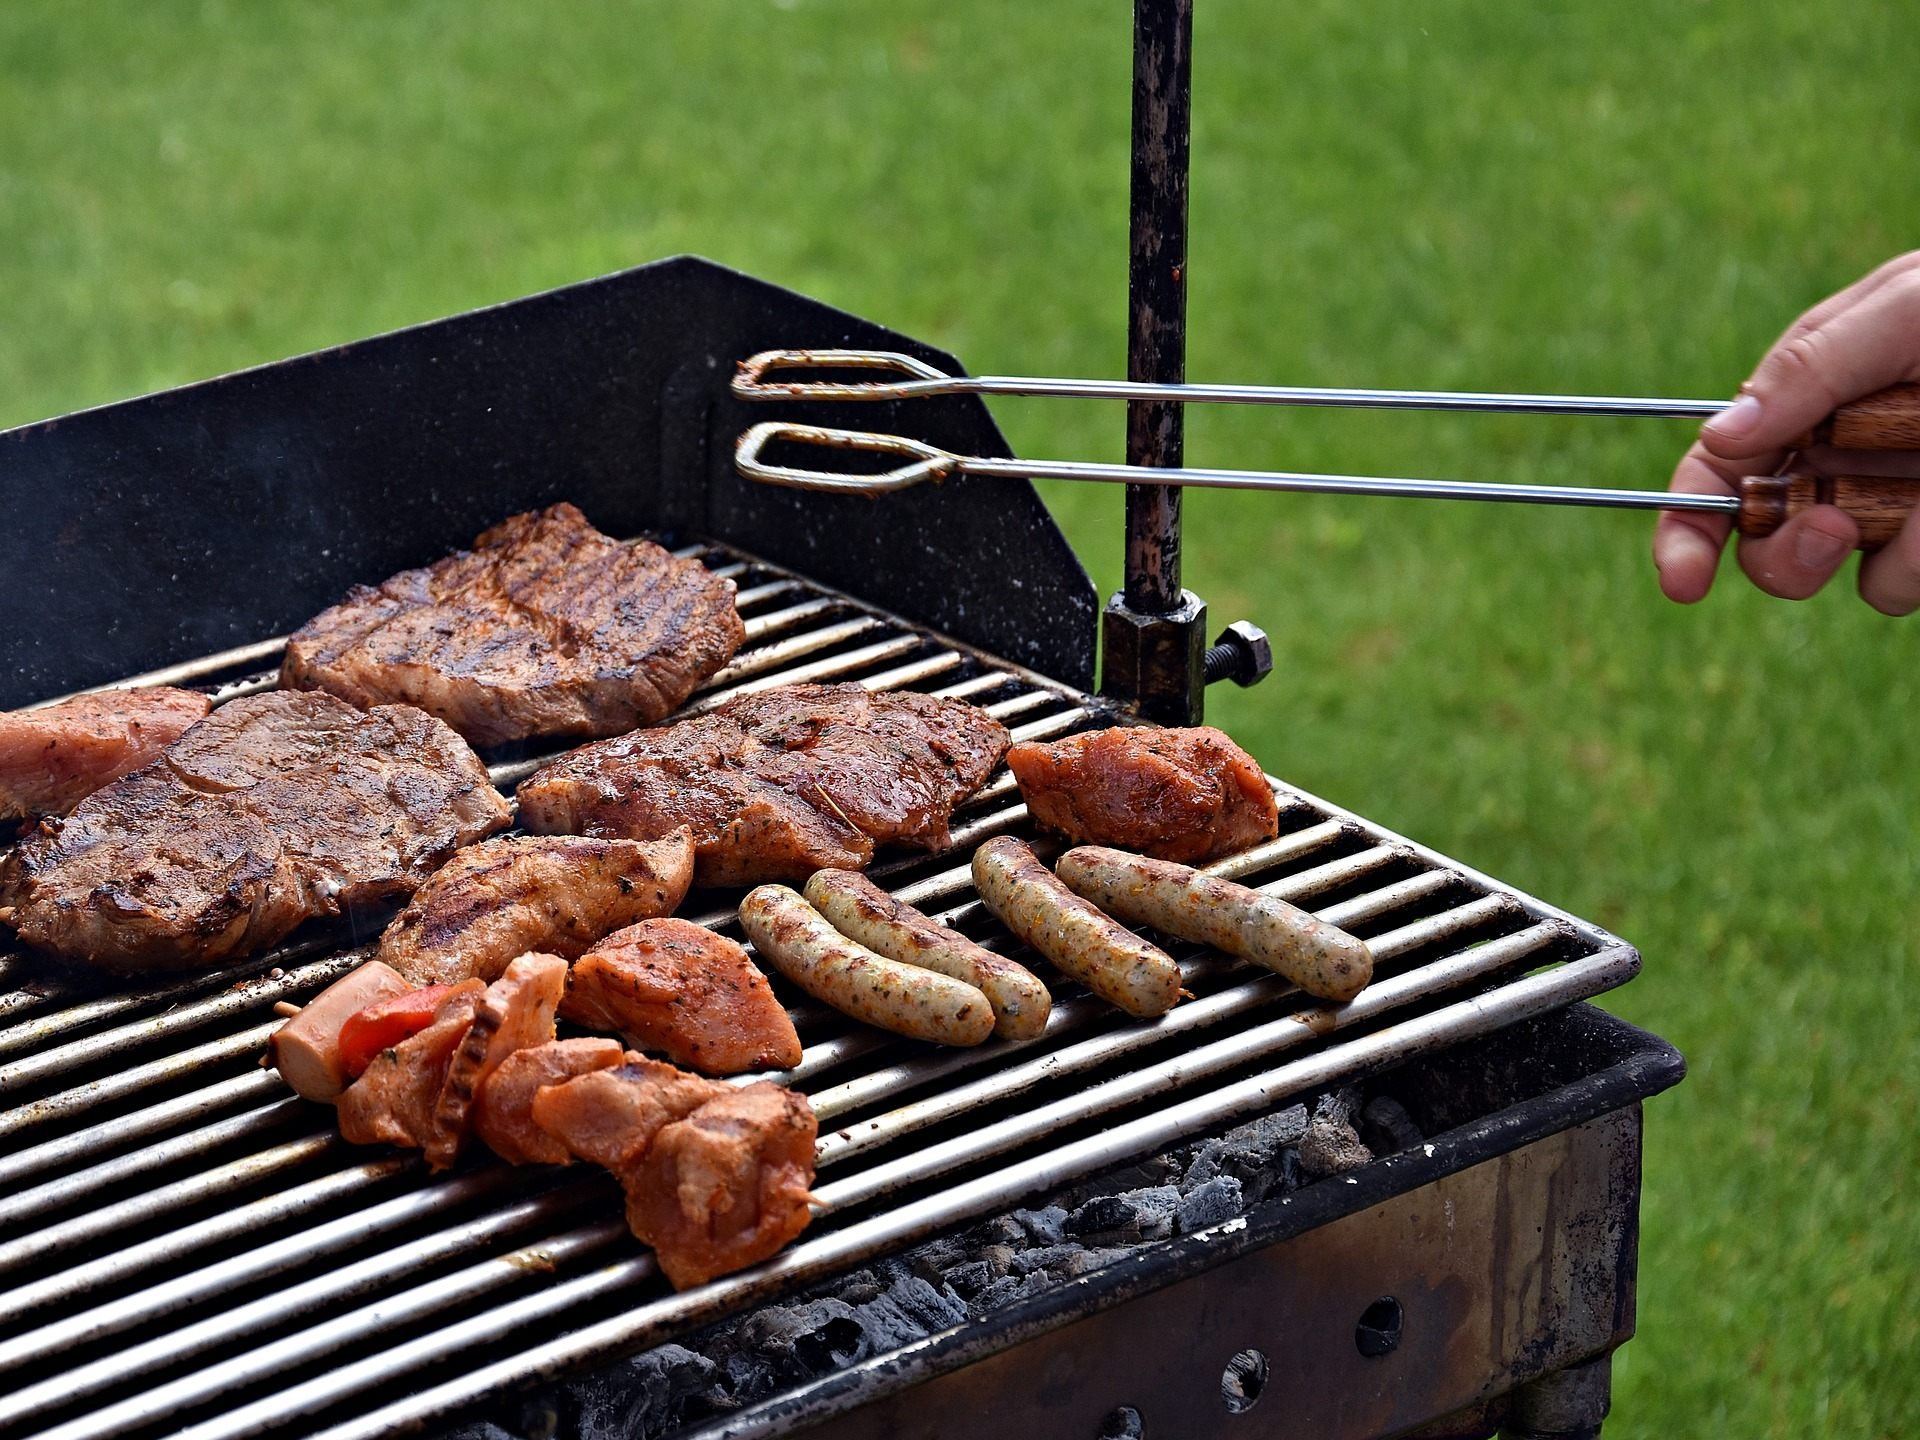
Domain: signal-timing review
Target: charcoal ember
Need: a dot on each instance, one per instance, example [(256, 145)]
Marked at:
[(1001, 1230), (1045, 1258), (911, 1310), (1043, 1227), (644, 1396), (801, 1341), (861, 1287), (1008, 1289), (1331, 1145), (1212, 1202), (1252, 1153), (970, 1279), (481, 1430), (932, 1260), (1084, 1261), (1132, 1216), (999, 1257), (1386, 1128)]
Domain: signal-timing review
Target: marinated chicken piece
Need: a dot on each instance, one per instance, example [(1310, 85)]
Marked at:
[(396, 1099), (610, 1115), (715, 1176), (727, 1186), (1188, 795), (53, 758), (780, 783), (306, 1050), (502, 1113), (546, 627), (552, 893), (515, 1013), (277, 808), (676, 987)]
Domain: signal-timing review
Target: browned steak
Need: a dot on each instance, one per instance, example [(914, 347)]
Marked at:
[(274, 809), (778, 784), (51, 759), (545, 627)]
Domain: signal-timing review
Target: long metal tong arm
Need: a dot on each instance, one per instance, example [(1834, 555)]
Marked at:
[(1878, 504), (1887, 420)]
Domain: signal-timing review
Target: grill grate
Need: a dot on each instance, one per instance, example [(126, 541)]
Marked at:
[(186, 1249)]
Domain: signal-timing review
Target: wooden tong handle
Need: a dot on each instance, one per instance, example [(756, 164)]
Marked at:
[(1888, 419), (1879, 504)]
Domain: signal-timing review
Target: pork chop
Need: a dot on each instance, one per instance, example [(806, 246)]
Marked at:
[(778, 784), (546, 627), (676, 987), (275, 809), (53, 758), (515, 893), (1188, 795)]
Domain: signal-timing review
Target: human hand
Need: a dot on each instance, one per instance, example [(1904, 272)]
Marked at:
[(1863, 339)]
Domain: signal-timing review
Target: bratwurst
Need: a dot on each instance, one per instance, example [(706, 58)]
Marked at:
[(920, 1004), (1102, 954), (1181, 901)]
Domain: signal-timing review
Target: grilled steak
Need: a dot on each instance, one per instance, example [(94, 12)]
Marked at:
[(506, 896), (676, 987), (545, 627), (780, 783), (274, 809), (1187, 795), (52, 759)]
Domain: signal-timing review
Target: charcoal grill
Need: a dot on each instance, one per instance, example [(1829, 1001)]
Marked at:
[(186, 1249)]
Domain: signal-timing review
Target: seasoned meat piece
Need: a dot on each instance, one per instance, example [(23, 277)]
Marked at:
[(545, 627), (555, 894), (611, 1114), (53, 758), (780, 783), (273, 810), (502, 1113), (516, 1012), (1186, 795), (677, 987), (727, 1186), (716, 1177), (396, 1099)]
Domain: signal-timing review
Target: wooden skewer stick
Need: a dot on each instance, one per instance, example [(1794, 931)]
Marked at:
[(286, 1008)]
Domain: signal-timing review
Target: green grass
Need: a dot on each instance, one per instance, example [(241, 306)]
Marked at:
[(1626, 199)]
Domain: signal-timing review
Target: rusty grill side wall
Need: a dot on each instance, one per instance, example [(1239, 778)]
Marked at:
[(210, 516)]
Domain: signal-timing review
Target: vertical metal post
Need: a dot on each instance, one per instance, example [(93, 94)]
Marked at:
[(1156, 290), (1154, 632)]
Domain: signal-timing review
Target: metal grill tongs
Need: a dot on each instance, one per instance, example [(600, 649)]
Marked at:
[(1888, 420)]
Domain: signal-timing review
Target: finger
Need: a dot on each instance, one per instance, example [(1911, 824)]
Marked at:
[(1890, 580), (1846, 299), (1801, 556), (1687, 544), (1801, 381)]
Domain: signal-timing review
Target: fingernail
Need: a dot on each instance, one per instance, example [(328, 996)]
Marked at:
[(1817, 550), (1740, 418)]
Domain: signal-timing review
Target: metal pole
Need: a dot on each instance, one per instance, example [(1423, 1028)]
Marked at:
[(1156, 290)]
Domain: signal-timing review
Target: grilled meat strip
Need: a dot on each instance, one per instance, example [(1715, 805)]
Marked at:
[(273, 810), (503, 1111), (545, 627), (397, 1098), (778, 784), (716, 1177), (1188, 795), (552, 893), (53, 758), (676, 987), (515, 1013)]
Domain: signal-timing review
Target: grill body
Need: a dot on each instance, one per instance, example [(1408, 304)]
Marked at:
[(203, 1253)]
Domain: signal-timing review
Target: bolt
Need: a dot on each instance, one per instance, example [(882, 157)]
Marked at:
[(1242, 654)]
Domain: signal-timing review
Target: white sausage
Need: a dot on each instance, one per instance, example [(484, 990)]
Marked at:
[(1102, 954), (1175, 899), (905, 999), (862, 911)]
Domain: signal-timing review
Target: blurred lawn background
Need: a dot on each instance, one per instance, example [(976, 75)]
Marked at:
[(1610, 199)]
